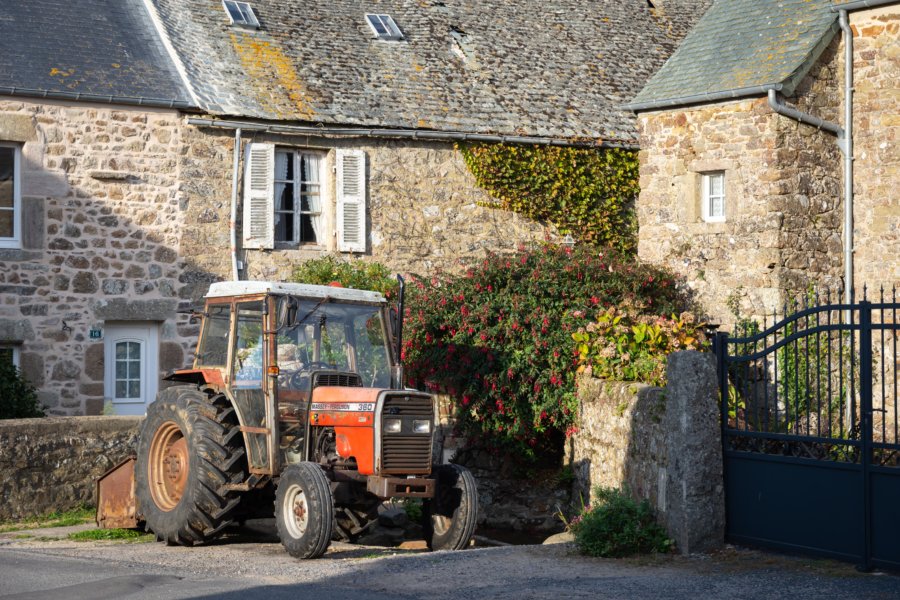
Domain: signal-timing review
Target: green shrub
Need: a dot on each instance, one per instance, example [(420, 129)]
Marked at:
[(18, 398), (498, 338), (624, 345), (616, 525), (357, 274)]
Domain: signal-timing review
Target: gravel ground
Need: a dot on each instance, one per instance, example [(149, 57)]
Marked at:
[(251, 564)]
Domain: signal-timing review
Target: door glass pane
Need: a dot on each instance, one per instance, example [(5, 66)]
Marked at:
[(7, 164), (6, 222), (128, 370)]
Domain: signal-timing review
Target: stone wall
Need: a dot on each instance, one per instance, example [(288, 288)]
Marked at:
[(101, 228), (876, 119), (783, 208), (423, 208), (51, 464), (662, 445), (126, 219)]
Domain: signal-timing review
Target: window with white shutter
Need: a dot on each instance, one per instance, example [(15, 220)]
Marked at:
[(351, 200), (259, 203)]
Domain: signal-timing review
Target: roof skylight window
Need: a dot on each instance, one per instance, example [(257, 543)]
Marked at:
[(240, 13), (384, 27)]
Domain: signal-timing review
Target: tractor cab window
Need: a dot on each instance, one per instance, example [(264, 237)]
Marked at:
[(335, 336), (372, 361), (248, 349), (213, 348)]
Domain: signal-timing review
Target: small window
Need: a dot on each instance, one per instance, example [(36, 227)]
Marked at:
[(10, 355), (240, 13), (384, 27), (10, 196), (713, 197)]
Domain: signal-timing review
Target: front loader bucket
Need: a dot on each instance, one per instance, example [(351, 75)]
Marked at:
[(116, 505)]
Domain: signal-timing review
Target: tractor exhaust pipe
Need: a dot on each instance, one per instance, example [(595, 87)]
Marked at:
[(398, 368)]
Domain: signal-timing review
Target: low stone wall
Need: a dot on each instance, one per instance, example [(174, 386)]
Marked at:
[(664, 445), (51, 464)]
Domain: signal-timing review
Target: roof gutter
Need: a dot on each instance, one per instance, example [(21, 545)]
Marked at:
[(849, 6), (82, 97), (408, 134), (703, 98)]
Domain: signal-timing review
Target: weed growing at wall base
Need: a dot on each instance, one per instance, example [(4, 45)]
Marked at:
[(616, 525)]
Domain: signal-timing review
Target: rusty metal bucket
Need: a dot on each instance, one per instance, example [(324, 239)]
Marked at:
[(116, 504)]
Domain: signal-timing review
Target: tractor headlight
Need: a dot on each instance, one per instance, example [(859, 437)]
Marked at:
[(421, 426), (392, 425)]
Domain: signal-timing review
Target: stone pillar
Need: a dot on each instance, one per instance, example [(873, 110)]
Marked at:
[(695, 492)]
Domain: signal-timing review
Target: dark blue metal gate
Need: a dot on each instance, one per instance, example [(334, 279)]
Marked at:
[(810, 431)]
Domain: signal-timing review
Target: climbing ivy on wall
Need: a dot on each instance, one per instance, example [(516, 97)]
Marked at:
[(588, 192)]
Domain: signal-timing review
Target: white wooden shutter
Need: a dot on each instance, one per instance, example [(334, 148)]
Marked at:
[(259, 196), (351, 200)]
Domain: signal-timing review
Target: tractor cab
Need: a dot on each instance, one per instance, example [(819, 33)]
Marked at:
[(267, 345)]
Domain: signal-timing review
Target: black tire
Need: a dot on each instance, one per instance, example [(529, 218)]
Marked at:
[(304, 510), (448, 519), (190, 448)]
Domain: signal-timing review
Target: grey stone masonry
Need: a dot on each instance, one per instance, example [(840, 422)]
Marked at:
[(51, 464), (664, 446)]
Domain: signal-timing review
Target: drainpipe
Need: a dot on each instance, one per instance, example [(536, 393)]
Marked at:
[(848, 156), (232, 223)]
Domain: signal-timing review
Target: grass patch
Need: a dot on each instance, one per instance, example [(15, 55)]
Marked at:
[(127, 535), (75, 516)]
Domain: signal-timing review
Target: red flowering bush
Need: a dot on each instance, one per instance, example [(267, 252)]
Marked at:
[(498, 338)]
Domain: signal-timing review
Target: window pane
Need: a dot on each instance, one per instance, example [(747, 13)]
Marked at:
[(284, 227), (284, 166), (376, 23), (6, 355), (121, 369), (6, 223), (233, 10), (134, 351), (716, 184), (121, 350), (717, 207), (134, 389), (121, 389), (307, 233), (310, 168), (284, 196)]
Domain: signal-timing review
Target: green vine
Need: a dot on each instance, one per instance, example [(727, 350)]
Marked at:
[(586, 192)]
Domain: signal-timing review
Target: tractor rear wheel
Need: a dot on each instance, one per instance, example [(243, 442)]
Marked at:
[(304, 510), (189, 450), (448, 519)]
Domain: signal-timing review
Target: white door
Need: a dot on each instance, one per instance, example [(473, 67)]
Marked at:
[(131, 366)]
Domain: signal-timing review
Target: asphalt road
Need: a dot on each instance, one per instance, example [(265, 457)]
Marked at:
[(251, 565)]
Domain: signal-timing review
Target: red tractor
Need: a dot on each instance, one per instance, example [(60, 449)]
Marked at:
[(296, 389)]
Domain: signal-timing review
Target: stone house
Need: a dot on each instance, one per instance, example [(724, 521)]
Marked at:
[(150, 147), (750, 204)]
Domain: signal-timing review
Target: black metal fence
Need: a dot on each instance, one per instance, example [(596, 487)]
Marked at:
[(810, 428)]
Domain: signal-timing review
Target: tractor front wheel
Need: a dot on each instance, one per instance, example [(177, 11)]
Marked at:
[(304, 510), (449, 518)]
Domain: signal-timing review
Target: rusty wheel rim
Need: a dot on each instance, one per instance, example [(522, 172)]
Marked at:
[(441, 524), (295, 511), (168, 466)]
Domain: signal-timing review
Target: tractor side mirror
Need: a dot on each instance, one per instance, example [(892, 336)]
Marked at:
[(291, 310)]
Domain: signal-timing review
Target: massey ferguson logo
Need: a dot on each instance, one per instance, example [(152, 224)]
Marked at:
[(343, 407)]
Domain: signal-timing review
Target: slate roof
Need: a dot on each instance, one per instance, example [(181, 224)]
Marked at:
[(103, 48), (740, 47), (546, 68)]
